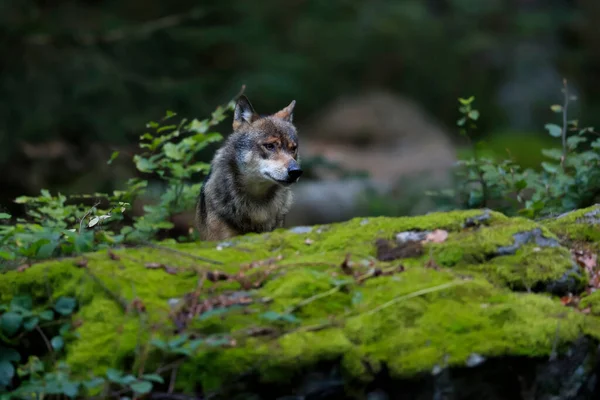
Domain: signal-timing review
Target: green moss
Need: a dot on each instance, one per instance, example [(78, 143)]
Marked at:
[(575, 225), (368, 324)]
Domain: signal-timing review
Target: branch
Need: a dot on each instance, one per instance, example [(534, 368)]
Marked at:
[(183, 253), (564, 127)]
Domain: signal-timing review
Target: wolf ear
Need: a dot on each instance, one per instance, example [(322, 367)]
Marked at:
[(286, 114), (244, 112)]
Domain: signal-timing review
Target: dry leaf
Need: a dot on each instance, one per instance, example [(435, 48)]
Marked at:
[(437, 236), (215, 276), (113, 256), (23, 267)]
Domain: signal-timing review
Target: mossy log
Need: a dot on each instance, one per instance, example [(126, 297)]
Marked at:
[(343, 310)]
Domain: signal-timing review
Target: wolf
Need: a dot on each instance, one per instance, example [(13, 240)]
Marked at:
[(247, 188)]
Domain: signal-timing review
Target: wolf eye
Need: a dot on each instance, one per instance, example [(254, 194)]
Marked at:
[(269, 146)]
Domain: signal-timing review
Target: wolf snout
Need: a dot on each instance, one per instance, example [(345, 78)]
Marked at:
[(294, 173)]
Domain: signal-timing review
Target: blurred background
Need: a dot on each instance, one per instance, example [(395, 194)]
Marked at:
[(376, 84)]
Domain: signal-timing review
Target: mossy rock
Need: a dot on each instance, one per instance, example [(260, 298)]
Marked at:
[(286, 303)]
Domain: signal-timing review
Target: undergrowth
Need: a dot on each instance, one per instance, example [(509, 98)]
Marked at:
[(32, 337), (568, 179)]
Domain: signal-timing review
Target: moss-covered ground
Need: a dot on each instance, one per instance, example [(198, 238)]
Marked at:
[(287, 300)]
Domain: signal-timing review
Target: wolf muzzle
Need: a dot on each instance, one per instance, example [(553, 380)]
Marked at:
[(293, 172)]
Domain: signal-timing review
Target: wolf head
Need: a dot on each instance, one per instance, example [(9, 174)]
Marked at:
[(266, 147)]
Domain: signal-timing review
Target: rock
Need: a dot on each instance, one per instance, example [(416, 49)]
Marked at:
[(281, 319)]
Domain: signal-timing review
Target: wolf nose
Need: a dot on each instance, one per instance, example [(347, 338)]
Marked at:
[(294, 173)]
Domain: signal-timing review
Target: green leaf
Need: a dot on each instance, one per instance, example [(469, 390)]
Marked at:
[(9, 354), (7, 372), (57, 342), (574, 141), (113, 157), (10, 323), (5, 216), (275, 316), (178, 341), (555, 154), (94, 382), (161, 344), (144, 164), (214, 312), (46, 250), (65, 305), (47, 315), (172, 151), (30, 323), (520, 184), (114, 375), (141, 387), (474, 115), (19, 303), (70, 388), (7, 256), (153, 378), (64, 328), (556, 108), (551, 168), (466, 102), (554, 130)]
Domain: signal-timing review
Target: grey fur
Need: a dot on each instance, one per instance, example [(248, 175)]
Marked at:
[(247, 189)]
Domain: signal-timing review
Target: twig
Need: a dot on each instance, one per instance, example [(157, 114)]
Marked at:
[(564, 127), (182, 253), (86, 215), (173, 378), (48, 344), (121, 301), (414, 294), (170, 366), (313, 298)]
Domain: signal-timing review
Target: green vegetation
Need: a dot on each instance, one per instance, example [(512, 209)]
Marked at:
[(282, 302), (94, 303), (568, 178)]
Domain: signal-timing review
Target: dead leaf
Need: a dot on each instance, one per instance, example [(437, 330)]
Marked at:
[(112, 255), (588, 261), (566, 300), (168, 269), (432, 264), (215, 276), (308, 241), (437, 236), (81, 263), (138, 305), (23, 267)]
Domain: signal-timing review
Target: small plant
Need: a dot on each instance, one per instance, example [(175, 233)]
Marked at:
[(57, 225), (170, 155), (569, 179)]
